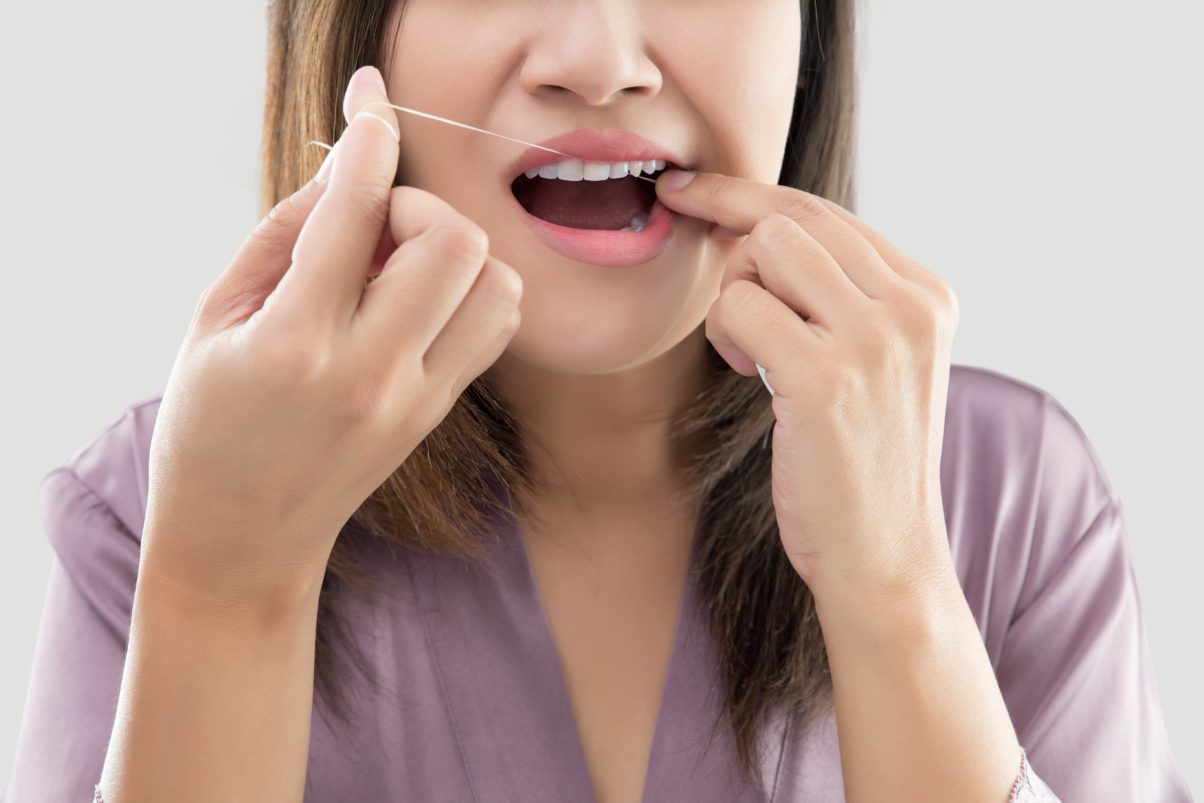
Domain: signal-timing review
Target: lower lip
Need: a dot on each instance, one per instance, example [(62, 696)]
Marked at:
[(616, 249)]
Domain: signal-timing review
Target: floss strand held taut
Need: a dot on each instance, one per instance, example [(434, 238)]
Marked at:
[(473, 128), (760, 370)]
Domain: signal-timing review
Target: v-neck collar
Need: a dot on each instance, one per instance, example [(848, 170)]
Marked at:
[(507, 694)]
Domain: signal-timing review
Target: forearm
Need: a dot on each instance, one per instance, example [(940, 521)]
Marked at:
[(919, 713), (214, 704)]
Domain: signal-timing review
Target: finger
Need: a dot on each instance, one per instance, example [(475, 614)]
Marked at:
[(786, 260), (426, 278), (479, 329), (384, 249), (748, 318), (264, 256), (737, 204), (334, 250), (902, 264)]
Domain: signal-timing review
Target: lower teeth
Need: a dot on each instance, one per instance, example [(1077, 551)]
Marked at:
[(637, 223)]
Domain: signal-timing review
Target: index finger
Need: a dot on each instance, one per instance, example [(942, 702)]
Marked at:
[(334, 250), (734, 202), (739, 204)]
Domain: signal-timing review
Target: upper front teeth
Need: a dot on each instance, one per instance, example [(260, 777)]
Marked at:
[(576, 169)]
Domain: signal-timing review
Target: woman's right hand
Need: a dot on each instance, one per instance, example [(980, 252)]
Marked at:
[(298, 390)]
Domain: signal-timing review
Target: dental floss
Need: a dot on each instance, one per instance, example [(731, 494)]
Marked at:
[(474, 128), (764, 379), (436, 117)]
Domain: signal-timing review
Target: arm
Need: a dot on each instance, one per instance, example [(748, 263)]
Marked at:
[(1050, 574), (77, 674), (215, 704), (919, 713), (916, 706)]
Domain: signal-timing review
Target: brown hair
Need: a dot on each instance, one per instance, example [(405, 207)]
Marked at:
[(761, 614)]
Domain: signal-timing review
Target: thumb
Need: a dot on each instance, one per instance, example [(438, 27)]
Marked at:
[(264, 257), (367, 85)]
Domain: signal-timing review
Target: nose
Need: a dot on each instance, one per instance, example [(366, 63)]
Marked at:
[(594, 49)]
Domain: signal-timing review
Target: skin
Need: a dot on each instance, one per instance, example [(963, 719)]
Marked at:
[(855, 337), (603, 355)]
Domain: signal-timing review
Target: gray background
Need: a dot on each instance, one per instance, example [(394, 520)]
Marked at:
[(1043, 158)]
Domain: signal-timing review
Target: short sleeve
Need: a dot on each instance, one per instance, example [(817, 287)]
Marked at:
[(1074, 664), (93, 510), (80, 650)]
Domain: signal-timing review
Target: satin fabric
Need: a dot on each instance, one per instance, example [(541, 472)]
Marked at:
[(473, 704)]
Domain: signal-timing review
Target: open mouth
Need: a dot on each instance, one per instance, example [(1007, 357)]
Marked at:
[(572, 199)]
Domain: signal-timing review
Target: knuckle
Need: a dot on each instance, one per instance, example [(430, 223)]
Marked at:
[(799, 205), (513, 322), (416, 203), (278, 227), (947, 299), (282, 211), (507, 278), (775, 229), (460, 243), (203, 301), (920, 319), (406, 198), (369, 199), (715, 190), (476, 240)]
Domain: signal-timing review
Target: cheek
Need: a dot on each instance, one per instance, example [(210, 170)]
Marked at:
[(739, 75)]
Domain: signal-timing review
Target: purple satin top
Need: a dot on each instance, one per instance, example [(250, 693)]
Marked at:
[(474, 705)]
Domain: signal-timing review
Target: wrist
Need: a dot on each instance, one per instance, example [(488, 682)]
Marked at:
[(230, 601), (906, 607)]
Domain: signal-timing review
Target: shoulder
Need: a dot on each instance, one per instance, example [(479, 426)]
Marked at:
[(103, 485), (1003, 434), (1021, 483)]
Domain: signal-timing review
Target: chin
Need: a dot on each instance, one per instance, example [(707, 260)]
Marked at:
[(593, 345)]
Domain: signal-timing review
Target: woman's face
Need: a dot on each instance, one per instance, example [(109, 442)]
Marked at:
[(712, 81)]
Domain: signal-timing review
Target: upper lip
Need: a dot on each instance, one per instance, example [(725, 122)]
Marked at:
[(593, 145)]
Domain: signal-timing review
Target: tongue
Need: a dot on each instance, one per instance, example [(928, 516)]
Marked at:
[(610, 204)]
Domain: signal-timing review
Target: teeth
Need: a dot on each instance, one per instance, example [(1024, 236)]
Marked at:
[(570, 170), (577, 170)]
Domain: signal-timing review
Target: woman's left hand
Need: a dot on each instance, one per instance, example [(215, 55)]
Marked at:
[(855, 339)]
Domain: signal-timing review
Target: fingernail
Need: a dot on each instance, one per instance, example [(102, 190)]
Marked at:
[(380, 82), (674, 180), (393, 132)]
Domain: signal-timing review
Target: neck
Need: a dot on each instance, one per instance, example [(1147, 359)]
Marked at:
[(602, 442)]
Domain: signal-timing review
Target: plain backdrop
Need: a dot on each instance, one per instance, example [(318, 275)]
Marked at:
[(1043, 158)]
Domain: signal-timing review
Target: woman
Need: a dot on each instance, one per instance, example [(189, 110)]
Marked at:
[(676, 584)]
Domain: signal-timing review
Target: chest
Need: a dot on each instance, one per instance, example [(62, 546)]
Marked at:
[(613, 621), (471, 699)]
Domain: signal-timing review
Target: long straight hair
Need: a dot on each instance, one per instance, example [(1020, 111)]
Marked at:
[(761, 614)]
